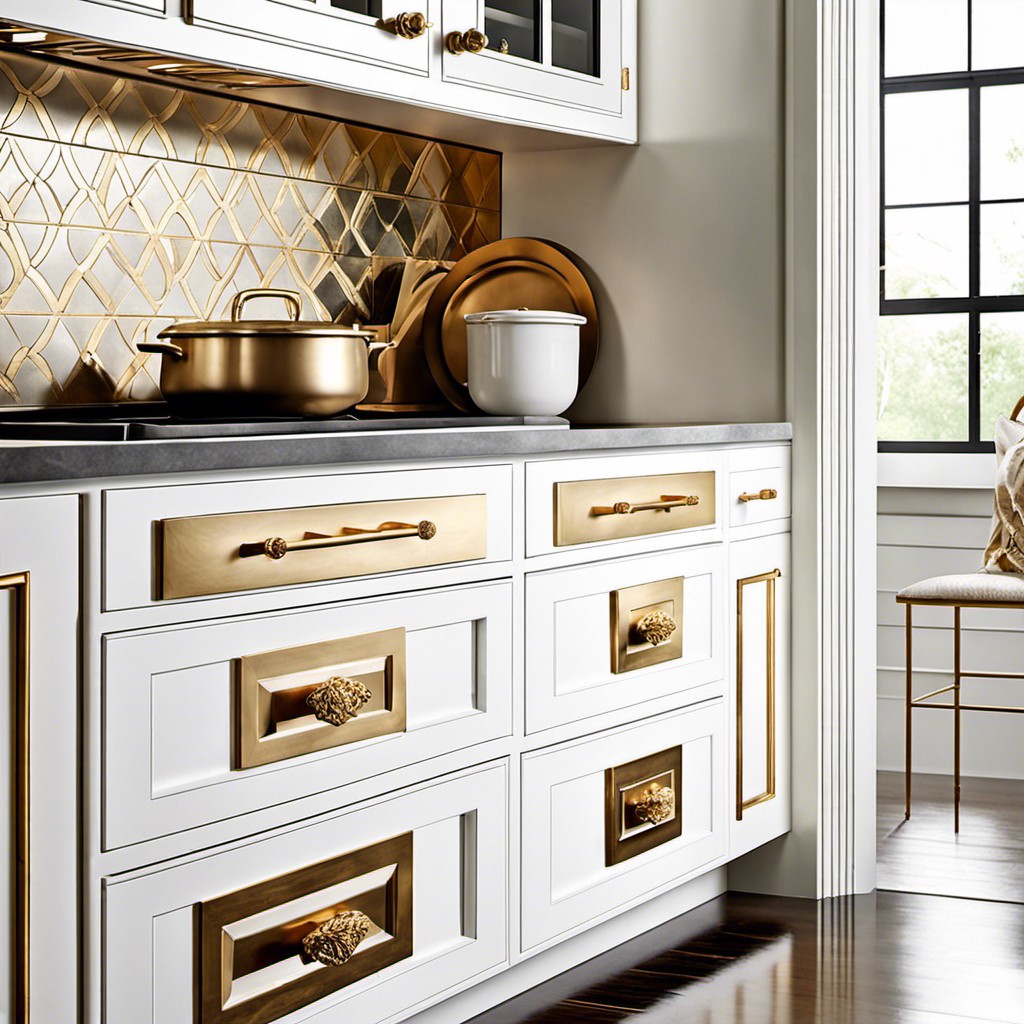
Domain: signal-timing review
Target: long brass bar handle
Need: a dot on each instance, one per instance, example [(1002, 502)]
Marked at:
[(665, 503), (334, 942), (768, 578), (278, 547), (765, 494), (408, 25)]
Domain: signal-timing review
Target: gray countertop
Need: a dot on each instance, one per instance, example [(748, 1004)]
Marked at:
[(50, 461)]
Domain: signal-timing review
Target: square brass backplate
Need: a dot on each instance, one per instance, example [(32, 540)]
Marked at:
[(625, 834), (252, 967), (272, 718), (633, 609)]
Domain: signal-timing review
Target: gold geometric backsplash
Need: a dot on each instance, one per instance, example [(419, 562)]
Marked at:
[(125, 205)]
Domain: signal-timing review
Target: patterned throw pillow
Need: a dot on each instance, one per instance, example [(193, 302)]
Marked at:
[(1005, 551)]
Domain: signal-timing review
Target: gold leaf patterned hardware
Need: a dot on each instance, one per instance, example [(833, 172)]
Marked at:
[(335, 941), (655, 805), (338, 699)]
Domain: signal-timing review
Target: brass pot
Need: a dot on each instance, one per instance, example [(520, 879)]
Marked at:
[(242, 367)]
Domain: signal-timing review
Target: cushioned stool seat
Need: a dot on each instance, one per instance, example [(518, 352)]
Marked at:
[(967, 589)]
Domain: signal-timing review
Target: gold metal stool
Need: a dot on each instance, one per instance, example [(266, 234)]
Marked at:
[(969, 590)]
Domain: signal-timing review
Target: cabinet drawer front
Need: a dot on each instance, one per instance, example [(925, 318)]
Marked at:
[(585, 854), (207, 539), (420, 874), (759, 487), (203, 723), (585, 652), (618, 498)]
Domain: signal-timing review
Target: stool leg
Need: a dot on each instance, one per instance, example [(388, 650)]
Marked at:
[(956, 719), (906, 738)]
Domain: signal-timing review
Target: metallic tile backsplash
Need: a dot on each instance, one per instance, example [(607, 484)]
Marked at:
[(125, 205)]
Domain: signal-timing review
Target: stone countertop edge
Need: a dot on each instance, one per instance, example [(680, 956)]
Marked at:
[(53, 461)]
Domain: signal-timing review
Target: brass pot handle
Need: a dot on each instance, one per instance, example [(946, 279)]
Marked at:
[(338, 699), (161, 348), (765, 494), (278, 547), (408, 25), (655, 804), (655, 628), (470, 41), (666, 503), (293, 299), (334, 942)]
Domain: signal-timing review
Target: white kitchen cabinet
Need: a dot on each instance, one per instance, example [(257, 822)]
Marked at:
[(566, 52), (760, 692), (345, 28), (39, 560), (584, 656), (427, 866)]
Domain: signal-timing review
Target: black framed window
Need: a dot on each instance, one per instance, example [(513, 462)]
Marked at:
[(951, 336)]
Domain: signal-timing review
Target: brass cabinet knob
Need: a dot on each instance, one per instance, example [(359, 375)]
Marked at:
[(765, 494), (338, 699), (656, 804), (655, 628), (409, 25), (334, 942), (470, 41)]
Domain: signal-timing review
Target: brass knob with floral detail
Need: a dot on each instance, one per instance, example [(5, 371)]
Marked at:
[(470, 41), (335, 941), (656, 804), (408, 25), (338, 699), (655, 628)]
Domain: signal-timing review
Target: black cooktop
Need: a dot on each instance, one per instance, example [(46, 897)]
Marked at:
[(152, 421)]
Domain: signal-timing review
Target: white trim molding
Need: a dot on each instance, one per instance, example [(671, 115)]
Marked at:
[(831, 318)]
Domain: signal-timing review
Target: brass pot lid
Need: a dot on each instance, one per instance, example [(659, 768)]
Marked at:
[(504, 275), (241, 327)]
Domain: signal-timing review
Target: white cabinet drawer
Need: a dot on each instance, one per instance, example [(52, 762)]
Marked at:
[(166, 543), (759, 485), (759, 767), (601, 501), (428, 867), (586, 651), (201, 723), (584, 858)]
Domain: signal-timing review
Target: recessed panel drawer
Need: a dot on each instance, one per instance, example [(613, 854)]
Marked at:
[(759, 485), (207, 539), (619, 498), (612, 635), (203, 723), (366, 914), (600, 832)]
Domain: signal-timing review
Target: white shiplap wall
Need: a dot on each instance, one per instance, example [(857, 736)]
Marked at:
[(929, 532)]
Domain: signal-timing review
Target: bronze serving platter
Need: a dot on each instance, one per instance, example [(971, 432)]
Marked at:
[(508, 274)]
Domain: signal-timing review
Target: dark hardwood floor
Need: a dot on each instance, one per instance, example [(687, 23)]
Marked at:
[(985, 861), (886, 958)]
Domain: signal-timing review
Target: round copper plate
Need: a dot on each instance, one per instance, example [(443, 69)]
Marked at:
[(503, 275)]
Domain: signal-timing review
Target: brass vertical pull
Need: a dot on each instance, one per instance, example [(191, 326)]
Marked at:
[(768, 579)]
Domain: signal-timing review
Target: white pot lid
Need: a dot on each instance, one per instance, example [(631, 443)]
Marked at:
[(524, 316)]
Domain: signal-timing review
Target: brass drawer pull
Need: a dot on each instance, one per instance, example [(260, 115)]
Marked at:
[(665, 503), (655, 805), (765, 494), (409, 25), (338, 699), (470, 41), (655, 628), (278, 547), (334, 942)]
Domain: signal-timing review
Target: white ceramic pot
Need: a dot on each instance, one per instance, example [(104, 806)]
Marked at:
[(523, 362)]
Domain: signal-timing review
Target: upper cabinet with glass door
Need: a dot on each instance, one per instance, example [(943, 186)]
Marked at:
[(387, 33), (569, 52)]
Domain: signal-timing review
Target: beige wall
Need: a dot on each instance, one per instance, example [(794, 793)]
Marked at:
[(683, 235)]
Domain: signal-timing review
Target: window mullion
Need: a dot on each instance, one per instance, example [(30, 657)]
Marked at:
[(974, 232)]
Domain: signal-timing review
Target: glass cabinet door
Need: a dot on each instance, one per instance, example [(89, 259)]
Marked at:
[(354, 29), (565, 51)]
